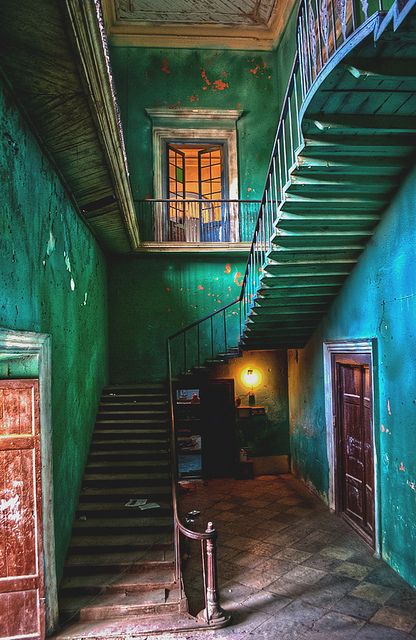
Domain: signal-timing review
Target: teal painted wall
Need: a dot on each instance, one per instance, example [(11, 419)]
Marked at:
[(200, 79), (53, 280), (152, 297), (377, 301)]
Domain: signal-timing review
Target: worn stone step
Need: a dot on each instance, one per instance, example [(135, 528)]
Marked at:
[(82, 543), (125, 480), (117, 466), (88, 568), (153, 493), (128, 434), (111, 558), (127, 455), (132, 626), (124, 523), (163, 601), (120, 510), (133, 444), (157, 577)]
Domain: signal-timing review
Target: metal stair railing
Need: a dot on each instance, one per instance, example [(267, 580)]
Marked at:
[(323, 26)]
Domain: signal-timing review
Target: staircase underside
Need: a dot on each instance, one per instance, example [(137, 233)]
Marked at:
[(359, 128)]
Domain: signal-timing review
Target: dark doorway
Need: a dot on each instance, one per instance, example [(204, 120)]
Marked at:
[(219, 429), (354, 441)]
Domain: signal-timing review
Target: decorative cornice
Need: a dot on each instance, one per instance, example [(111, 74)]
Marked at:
[(161, 114), (91, 43)]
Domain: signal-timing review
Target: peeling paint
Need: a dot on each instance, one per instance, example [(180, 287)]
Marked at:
[(72, 284), (165, 66), (388, 407), (402, 467), (238, 279), (227, 268), (50, 247)]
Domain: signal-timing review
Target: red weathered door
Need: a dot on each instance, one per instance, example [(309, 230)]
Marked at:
[(22, 603), (355, 444)]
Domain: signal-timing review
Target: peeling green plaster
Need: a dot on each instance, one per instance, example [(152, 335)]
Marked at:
[(377, 301), (52, 281), (153, 297), (201, 78)]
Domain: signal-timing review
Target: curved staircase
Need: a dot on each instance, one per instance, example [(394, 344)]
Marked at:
[(337, 162)]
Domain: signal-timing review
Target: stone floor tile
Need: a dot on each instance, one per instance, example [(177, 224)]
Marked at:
[(352, 570), (295, 569), (256, 579), (378, 632), (317, 561), (385, 576), (337, 553), (395, 618), (357, 607), (334, 625), (289, 589), (372, 592), (305, 575), (290, 623), (275, 567), (266, 601), (293, 555)]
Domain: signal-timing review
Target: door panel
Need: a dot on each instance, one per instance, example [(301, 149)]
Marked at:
[(21, 557), (355, 475), (218, 409)]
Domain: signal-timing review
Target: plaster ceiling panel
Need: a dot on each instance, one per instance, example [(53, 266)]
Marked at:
[(215, 12)]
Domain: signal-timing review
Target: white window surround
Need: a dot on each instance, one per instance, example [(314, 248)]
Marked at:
[(219, 125), (364, 346)]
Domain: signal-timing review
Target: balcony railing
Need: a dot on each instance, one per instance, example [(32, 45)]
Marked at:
[(197, 221)]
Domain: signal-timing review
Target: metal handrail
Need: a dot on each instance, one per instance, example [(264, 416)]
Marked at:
[(321, 29)]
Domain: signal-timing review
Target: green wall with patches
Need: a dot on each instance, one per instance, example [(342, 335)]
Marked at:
[(201, 78), (53, 280), (152, 297), (377, 301)]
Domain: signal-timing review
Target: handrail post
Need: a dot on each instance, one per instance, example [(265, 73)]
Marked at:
[(213, 613)]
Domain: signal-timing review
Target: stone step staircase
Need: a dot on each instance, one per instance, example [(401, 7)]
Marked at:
[(121, 558)]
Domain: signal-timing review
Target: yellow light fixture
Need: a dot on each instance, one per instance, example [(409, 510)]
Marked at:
[(251, 378)]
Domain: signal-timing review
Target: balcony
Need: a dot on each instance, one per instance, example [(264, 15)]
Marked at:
[(196, 224)]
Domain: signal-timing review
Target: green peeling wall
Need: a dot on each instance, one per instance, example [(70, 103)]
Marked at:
[(53, 280), (214, 79), (153, 297), (378, 301)]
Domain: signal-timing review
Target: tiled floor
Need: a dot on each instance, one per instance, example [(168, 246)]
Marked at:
[(289, 569)]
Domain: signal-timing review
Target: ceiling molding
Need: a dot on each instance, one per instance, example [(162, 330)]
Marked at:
[(198, 36)]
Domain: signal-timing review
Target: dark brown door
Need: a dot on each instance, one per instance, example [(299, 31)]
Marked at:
[(219, 447), (355, 473), (22, 603)]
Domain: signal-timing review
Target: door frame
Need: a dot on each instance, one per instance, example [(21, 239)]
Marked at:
[(24, 344), (359, 347)]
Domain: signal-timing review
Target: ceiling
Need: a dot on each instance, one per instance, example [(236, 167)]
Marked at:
[(226, 12), (239, 24)]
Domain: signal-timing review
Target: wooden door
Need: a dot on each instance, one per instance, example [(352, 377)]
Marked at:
[(22, 603), (219, 446), (355, 476)]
